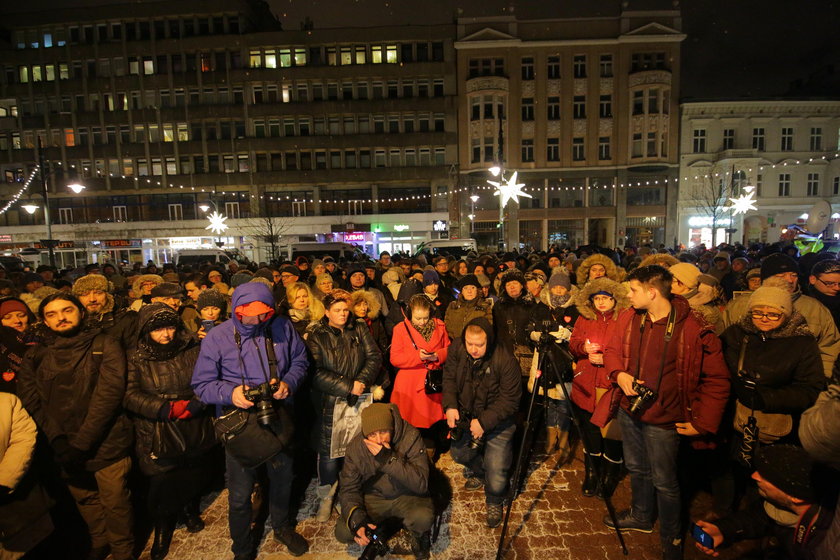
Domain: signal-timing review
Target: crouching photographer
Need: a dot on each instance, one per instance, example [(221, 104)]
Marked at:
[(384, 483), (483, 380), (250, 366)]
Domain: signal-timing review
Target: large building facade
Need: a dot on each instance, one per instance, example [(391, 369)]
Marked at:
[(787, 149), (585, 109), (166, 110)]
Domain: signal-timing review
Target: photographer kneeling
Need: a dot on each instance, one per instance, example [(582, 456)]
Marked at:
[(385, 476), (482, 385)]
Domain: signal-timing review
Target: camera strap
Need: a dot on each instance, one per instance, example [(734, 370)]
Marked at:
[(741, 372), (669, 333)]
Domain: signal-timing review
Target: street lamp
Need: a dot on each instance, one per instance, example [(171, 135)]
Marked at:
[(30, 208), (76, 187), (203, 207), (473, 199)]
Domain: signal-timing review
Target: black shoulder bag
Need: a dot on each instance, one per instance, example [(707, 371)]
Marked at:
[(179, 439), (249, 442)]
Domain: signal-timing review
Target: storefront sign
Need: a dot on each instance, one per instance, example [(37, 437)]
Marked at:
[(402, 227), (185, 242), (706, 221), (122, 244), (59, 245), (5, 238), (440, 225), (354, 237)]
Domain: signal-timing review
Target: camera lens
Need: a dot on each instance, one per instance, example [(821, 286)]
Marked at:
[(265, 412)]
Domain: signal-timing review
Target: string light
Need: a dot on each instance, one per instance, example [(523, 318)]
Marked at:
[(21, 191)]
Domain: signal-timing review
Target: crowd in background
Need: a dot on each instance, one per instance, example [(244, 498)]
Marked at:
[(380, 329)]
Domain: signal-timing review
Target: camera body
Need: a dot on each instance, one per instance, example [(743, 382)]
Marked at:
[(377, 546), (646, 397), (263, 398), (462, 428)]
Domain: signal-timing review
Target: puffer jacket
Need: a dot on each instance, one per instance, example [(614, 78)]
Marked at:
[(461, 312), (144, 398), (404, 471), (489, 388), (70, 392), (340, 357), (120, 324), (786, 362), (512, 317)]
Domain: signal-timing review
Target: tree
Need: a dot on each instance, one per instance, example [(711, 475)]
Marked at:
[(710, 192), (268, 230)]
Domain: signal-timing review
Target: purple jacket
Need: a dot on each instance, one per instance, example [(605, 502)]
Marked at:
[(218, 370)]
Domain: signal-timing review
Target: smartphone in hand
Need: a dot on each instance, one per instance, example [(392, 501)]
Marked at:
[(208, 325), (702, 537)]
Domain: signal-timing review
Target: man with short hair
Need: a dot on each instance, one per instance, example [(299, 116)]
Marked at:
[(660, 346), (384, 261), (168, 293), (824, 286), (94, 292), (194, 285), (73, 384), (31, 282), (482, 387), (385, 476), (447, 281), (782, 270)]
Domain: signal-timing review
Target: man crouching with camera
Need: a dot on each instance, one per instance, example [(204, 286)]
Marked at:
[(254, 362), (482, 385), (385, 480), (673, 382)]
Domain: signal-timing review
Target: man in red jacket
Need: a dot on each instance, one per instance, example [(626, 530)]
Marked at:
[(673, 382)]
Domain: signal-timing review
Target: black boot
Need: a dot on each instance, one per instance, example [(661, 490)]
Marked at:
[(192, 519), (421, 545), (610, 475), (591, 482), (164, 527)]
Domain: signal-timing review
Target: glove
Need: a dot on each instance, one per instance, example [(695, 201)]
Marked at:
[(194, 406), (748, 394), (178, 409)]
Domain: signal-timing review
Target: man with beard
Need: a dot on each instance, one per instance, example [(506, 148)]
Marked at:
[(101, 310), (73, 384)]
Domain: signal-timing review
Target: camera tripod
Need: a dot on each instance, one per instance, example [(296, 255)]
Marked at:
[(523, 457)]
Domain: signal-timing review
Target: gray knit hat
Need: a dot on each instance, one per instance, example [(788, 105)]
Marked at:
[(211, 298)]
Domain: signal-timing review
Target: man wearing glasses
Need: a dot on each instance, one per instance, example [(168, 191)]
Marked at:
[(825, 286), (782, 271)]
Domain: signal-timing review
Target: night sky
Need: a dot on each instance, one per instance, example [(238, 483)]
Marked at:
[(735, 48)]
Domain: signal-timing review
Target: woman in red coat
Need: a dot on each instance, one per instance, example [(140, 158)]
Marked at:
[(419, 344), (599, 302)]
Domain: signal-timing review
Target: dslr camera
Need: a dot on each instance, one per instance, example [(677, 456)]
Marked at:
[(462, 428), (263, 399), (377, 546), (646, 397)]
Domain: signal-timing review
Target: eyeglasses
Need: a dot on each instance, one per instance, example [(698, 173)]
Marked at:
[(761, 315), (829, 284)]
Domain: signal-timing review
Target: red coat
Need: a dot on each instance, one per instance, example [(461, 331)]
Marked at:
[(702, 374), (416, 407), (587, 375)]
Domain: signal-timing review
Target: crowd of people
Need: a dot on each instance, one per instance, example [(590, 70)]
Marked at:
[(700, 369)]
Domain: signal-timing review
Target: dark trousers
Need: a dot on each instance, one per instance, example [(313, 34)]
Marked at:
[(492, 462), (240, 483), (172, 491), (415, 512)]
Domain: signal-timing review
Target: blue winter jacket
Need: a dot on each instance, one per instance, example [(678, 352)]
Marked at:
[(218, 371)]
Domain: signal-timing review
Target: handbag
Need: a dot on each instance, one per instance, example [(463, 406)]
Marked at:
[(182, 438), (769, 427), (433, 384)]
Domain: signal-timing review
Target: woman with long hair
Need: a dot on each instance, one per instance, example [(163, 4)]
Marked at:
[(303, 307)]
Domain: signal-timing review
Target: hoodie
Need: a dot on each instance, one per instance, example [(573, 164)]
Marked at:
[(219, 370)]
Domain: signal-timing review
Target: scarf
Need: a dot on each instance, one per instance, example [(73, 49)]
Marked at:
[(559, 301), (298, 315), (426, 330)]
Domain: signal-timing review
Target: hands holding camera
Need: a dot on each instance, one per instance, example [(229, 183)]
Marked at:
[(361, 537), (625, 382), (239, 399)]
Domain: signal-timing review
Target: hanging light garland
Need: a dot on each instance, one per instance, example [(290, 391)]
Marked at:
[(21, 191)]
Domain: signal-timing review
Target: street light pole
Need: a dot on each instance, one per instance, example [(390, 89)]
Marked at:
[(45, 194)]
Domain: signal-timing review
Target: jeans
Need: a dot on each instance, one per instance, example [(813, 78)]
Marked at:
[(557, 414), (491, 462), (650, 455), (328, 469), (240, 483)]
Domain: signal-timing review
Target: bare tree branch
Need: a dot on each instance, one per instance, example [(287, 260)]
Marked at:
[(267, 232), (710, 194)]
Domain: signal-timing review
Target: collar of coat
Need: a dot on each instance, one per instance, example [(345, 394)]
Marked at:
[(795, 325)]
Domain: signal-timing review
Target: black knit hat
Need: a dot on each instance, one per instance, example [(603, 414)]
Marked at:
[(778, 263), (211, 298), (468, 280), (168, 290), (157, 316), (788, 468)]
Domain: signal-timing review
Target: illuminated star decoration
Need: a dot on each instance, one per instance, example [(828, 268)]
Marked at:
[(743, 203), (217, 223), (509, 189)]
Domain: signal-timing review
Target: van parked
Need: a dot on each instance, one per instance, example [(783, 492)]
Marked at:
[(455, 247), (320, 250), (198, 257)]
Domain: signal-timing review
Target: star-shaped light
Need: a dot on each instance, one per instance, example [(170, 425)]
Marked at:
[(217, 223), (743, 203), (509, 189)]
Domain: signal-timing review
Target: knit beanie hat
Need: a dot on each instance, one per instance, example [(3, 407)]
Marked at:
[(355, 269), (754, 273), (430, 277), (771, 296), (469, 280), (240, 278), (788, 468), (778, 263), (171, 277), (289, 269), (686, 273), (32, 277), (377, 417), (560, 279), (167, 289), (157, 316), (722, 255), (318, 262), (89, 283), (9, 305), (211, 298)]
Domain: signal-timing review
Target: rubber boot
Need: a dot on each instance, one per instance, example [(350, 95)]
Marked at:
[(591, 480), (610, 475), (164, 527), (564, 446), (326, 496), (552, 433)]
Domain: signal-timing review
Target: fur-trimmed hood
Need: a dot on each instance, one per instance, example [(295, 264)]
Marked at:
[(613, 272), (373, 304), (618, 291), (662, 259), (145, 278), (795, 325)]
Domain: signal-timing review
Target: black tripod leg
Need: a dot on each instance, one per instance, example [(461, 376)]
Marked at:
[(539, 384), (586, 447)]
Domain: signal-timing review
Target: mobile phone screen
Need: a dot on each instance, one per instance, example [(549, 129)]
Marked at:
[(207, 325), (702, 537)]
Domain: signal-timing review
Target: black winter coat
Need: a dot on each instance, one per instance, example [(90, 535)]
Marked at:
[(340, 357), (120, 325), (144, 399), (488, 388), (786, 361), (511, 317), (68, 395)]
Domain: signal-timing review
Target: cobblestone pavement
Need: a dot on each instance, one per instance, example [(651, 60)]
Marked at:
[(549, 520)]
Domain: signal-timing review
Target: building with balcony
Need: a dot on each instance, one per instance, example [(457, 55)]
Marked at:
[(787, 149), (583, 106), (162, 108)]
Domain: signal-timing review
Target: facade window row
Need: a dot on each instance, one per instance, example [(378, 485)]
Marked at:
[(580, 65), (345, 55), (788, 139)]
